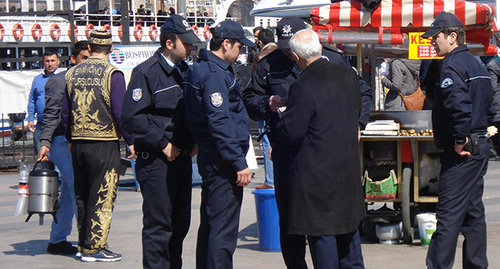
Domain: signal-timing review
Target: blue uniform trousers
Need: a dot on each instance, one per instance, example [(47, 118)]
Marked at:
[(166, 207), (219, 215), (460, 209), (336, 251), (60, 156)]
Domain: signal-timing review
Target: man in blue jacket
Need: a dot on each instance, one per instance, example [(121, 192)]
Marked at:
[(460, 115), (218, 118), (36, 101), (153, 113)]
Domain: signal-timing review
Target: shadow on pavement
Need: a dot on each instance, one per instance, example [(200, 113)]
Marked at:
[(31, 248), (250, 237)]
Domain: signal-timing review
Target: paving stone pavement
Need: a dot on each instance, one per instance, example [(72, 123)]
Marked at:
[(23, 244)]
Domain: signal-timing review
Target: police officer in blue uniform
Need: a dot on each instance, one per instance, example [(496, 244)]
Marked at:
[(460, 115), (153, 113), (267, 91), (216, 114), (334, 55)]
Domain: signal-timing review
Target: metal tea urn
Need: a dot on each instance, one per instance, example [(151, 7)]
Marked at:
[(43, 193)]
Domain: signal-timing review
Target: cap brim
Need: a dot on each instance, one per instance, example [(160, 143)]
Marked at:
[(247, 42), (190, 38), (283, 43), (432, 32)]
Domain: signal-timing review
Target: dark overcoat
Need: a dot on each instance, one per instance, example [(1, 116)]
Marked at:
[(321, 125)]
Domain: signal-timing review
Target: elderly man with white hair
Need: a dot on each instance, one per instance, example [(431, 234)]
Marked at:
[(321, 123)]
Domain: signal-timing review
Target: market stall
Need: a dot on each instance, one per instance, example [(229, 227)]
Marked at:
[(392, 20), (407, 154)]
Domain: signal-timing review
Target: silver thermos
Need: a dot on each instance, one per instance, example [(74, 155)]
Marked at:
[(43, 193)]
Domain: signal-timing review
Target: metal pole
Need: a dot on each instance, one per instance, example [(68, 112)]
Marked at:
[(155, 12), (110, 8), (72, 27), (374, 81), (181, 8), (359, 61), (125, 22)]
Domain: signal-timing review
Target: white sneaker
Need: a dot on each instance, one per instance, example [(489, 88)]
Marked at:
[(103, 255)]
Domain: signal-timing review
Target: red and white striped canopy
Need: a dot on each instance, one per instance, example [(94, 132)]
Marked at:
[(401, 14)]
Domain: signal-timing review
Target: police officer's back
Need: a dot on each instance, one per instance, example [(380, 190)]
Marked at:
[(217, 116)]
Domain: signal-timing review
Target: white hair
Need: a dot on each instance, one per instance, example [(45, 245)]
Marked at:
[(306, 44)]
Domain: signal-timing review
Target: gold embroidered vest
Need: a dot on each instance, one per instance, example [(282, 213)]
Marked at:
[(89, 87)]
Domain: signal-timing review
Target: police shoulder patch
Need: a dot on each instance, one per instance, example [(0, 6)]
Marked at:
[(216, 99), (137, 94), (446, 83)]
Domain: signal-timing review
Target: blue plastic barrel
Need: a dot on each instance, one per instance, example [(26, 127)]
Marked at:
[(267, 220)]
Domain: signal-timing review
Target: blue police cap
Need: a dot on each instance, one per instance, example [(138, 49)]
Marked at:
[(232, 30), (442, 20), (286, 28), (176, 24)]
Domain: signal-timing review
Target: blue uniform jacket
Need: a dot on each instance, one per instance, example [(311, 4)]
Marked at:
[(274, 75), (153, 107), (215, 111), (462, 102), (335, 56)]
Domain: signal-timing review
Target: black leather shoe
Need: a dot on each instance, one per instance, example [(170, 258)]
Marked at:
[(62, 248)]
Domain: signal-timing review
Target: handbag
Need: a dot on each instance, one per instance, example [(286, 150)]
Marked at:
[(414, 101), (385, 189)]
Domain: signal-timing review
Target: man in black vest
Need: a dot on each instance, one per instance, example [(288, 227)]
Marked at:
[(95, 96)]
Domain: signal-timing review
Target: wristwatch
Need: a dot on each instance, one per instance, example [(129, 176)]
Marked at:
[(460, 141)]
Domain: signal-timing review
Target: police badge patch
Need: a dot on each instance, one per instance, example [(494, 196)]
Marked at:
[(446, 83), (216, 99), (137, 94)]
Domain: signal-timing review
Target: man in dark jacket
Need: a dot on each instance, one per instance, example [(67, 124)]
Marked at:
[(493, 67), (268, 91), (265, 41), (460, 116), (320, 123), (153, 113), (52, 139)]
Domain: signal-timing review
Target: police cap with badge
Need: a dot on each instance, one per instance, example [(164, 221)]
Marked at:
[(176, 24), (232, 30), (286, 28)]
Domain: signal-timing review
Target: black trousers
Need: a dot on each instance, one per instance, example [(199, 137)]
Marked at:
[(293, 247), (95, 165), (220, 215), (166, 207), (336, 251), (460, 209)]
